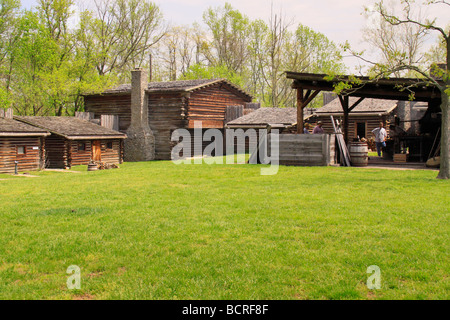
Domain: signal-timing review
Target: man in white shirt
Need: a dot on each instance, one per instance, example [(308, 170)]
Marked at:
[(380, 137)]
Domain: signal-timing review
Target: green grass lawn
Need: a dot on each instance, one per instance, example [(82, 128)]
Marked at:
[(162, 231)]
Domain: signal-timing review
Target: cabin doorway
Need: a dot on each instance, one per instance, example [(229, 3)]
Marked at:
[(96, 150), (361, 130)]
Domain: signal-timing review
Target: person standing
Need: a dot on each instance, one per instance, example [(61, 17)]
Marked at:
[(306, 128), (380, 137), (318, 129)]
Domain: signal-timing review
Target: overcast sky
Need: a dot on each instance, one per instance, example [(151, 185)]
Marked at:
[(339, 20)]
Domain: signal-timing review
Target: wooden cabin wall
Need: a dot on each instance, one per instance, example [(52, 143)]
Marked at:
[(56, 152), (80, 157), (165, 114), (114, 155), (118, 105), (209, 105), (31, 160), (83, 157), (372, 122)]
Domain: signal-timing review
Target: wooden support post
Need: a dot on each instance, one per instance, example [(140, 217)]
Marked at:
[(300, 107), (345, 106)]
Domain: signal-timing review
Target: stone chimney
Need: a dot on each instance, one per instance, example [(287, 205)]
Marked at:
[(140, 144)]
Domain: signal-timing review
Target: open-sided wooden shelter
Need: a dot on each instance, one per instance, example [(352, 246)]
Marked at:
[(22, 143), (308, 85), (74, 141)]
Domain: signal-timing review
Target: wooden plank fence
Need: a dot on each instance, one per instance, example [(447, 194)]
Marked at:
[(233, 112), (84, 115), (307, 149), (8, 113), (250, 107), (110, 121)]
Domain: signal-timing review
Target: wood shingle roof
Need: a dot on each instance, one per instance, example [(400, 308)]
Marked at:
[(264, 116), (175, 86), (72, 128), (368, 105), (10, 127)]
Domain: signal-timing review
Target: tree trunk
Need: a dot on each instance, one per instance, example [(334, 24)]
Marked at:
[(444, 172)]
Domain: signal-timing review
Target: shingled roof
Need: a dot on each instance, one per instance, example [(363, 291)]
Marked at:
[(72, 128), (175, 86), (10, 127), (368, 105), (264, 116)]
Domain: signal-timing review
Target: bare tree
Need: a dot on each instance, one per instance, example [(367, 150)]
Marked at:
[(397, 44), (124, 31)]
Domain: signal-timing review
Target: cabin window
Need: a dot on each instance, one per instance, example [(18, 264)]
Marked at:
[(109, 145), (81, 146), (21, 150), (361, 130)]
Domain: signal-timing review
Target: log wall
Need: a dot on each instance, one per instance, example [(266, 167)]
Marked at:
[(166, 112), (79, 157), (372, 122), (56, 156), (114, 155), (118, 105), (62, 153), (31, 160), (209, 105)]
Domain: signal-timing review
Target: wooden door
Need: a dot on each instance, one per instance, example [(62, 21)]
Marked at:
[(96, 150)]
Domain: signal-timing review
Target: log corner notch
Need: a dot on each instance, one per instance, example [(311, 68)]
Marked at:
[(303, 99)]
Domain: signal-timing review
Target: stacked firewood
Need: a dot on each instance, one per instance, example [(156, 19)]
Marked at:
[(105, 166)]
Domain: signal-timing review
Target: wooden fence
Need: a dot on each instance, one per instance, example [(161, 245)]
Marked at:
[(307, 149), (8, 113), (85, 115), (110, 121), (233, 112)]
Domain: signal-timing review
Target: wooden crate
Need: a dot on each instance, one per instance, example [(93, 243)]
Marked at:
[(400, 157)]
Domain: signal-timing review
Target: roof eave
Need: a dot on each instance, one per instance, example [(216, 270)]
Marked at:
[(93, 137), (24, 134)]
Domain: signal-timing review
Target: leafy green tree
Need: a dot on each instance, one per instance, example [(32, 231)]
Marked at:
[(123, 31), (9, 10), (229, 29)]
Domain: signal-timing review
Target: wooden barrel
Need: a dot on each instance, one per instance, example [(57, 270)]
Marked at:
[(359, 154), (92, 167)]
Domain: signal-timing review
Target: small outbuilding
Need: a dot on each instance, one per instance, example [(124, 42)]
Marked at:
[(75, 141), (21, 143)]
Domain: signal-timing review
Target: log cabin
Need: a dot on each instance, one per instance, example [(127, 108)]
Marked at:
[(22, 143), (169, 105), (75, 141)]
